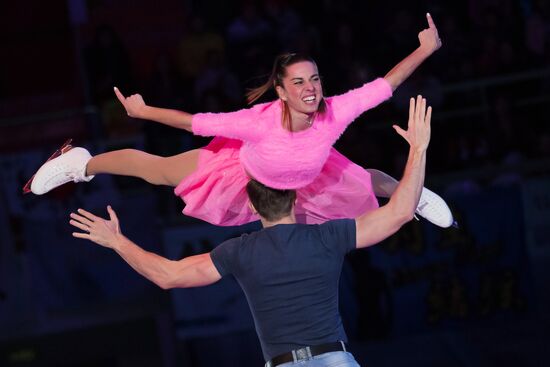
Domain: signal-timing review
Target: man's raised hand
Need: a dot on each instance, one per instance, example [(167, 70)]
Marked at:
[(96, 229), (419, 125)]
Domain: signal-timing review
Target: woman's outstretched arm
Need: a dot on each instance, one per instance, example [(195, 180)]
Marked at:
[(136, 107), (429, 43), (241, 125)]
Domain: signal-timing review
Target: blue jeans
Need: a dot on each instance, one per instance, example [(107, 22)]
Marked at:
[(331, 359)]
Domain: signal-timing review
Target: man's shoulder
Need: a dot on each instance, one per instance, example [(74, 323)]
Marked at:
[(225, 254), (228, 246), (338, 223), (328, 231), (237, 241), (340, 233), (334, 223)]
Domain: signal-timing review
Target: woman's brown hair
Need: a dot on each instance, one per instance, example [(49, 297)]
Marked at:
[(276, 79)]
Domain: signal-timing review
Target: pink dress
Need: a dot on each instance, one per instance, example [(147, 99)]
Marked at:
[(253, 140)]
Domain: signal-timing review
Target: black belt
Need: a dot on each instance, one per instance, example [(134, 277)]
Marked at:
[(306, 353)]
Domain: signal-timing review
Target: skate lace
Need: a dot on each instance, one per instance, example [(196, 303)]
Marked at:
[(73, 175)]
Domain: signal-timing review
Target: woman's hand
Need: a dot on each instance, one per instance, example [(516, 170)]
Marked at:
[(429, 37), (133, 104)]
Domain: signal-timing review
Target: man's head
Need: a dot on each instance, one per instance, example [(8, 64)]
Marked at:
[(271, 204)]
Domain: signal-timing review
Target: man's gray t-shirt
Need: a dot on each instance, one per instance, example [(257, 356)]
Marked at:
[(289, 274)]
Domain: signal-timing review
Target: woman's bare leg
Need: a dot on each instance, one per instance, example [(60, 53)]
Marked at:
[(152, 168)]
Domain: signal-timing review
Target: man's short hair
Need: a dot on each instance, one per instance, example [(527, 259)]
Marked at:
[(270, 203)]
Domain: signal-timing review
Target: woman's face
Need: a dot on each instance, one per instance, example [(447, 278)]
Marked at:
[(301, 88)]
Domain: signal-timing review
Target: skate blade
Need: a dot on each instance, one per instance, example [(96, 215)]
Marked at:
[(63, 149)]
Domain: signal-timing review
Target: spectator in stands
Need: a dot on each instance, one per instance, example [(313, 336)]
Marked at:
[(107, 63), (195, 46)]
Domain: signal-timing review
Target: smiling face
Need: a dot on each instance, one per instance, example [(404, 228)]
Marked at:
[(301, 88)]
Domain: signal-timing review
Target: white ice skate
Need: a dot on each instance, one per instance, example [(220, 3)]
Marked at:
[(66, 164), (431, 206)]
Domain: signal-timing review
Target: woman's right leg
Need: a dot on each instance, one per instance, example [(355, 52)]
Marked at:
[(152, 168)]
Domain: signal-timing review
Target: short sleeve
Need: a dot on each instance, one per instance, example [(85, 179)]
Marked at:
[(242, 125), (223, 256), (348, 106), (339, 234)]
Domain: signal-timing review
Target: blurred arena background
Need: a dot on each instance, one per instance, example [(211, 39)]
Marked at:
[(476, 295)]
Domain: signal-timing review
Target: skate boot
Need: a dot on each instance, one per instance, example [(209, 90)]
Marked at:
[(430, 206), (66, 164)]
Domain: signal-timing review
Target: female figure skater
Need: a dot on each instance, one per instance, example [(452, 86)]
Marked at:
[(285, 144)]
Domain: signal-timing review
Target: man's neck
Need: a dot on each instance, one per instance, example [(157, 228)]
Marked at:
[(289, 219)]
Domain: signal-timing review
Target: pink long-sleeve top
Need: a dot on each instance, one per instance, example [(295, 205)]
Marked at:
[(282, 159)]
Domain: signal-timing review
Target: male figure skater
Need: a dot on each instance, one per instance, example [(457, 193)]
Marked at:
[(288, 271)]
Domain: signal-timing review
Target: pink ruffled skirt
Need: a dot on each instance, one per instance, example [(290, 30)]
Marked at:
[(216, 191)]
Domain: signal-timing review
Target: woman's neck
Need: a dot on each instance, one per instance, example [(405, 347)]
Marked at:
[(301, 121)]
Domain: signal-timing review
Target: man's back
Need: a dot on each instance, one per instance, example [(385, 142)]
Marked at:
[(290, 273)]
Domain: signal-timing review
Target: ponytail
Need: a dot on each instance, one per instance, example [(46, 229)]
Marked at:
[(252, 95)]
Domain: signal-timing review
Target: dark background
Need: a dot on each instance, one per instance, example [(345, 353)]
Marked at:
[(467, 296)]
